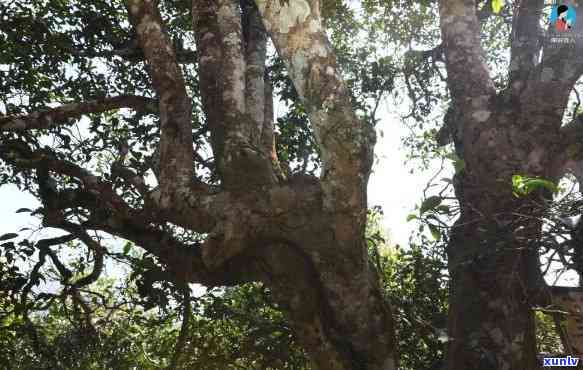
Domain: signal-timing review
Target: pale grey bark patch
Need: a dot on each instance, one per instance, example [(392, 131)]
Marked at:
[(481, 115), (286, 15), (547, 74)]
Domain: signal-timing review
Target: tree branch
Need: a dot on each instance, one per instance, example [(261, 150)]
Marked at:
[(60, 115), (193, 212), (526, 41), (217, 24), (346, 142), (176, 145), (210, 56), (183, 261), (468, 75), (233, 105), (255, 38)]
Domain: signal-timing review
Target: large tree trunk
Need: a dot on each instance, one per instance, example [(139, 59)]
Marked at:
[(336, 309), (316, 263), (491, 322), (493, 256)]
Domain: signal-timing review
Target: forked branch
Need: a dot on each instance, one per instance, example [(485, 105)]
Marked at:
[(346, 142)]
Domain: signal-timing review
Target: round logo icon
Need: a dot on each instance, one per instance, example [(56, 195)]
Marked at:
[(563, 17)]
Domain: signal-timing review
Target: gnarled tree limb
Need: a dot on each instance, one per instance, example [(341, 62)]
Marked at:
[(468, 74), (176, 145), (346, 142), (59, 115), (255, 39), (231, 84)]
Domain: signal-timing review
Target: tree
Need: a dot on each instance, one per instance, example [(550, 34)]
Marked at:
[(300, 235), (501, 131)]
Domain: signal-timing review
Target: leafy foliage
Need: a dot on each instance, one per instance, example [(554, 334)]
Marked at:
[(522, 185)]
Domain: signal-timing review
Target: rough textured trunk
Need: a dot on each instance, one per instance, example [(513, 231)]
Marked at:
[(493, 256), (491, 323), (302, 236), (318, 268), (352, 331), (493, 251), (569, 300)]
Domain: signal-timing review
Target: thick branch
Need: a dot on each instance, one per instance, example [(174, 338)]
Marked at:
[(193, 212), (255, 53), (110, 214), (60, 115), (234, 113), (468, 75), (176, 146), (222, 66), (346, 142), (184, 261), (209, 46), (526, 40)]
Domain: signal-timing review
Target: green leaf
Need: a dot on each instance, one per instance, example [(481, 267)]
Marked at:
[(411, 217), (522, 186), (442, 209), (458, 163), (532, 184), (435, 232), (127, 247), (8, 236), (429, 204), (497, 5), (21, 210)]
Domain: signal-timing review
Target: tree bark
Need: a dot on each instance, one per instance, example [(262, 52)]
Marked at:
[(302, 236), (493, 256), (492, 265)]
